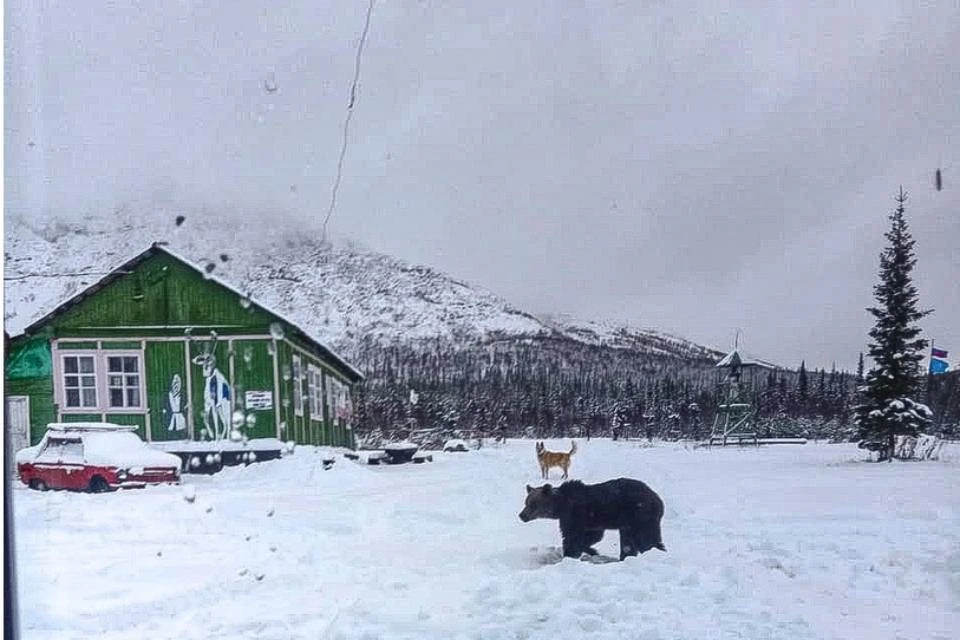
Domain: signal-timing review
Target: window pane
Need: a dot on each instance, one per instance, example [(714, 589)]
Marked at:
[(72, 450), (70, 365), (86, 364), (88, 381), (133, 397), (73, 398), (130, 364), (115, 364), (115, 381), (116, 397), (71, 381), (133, 381), (89, 397)]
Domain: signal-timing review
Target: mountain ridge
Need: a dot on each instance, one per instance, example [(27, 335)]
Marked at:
[(342, 294)]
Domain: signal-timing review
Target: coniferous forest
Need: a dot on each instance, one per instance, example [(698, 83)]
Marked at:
[(561, 388)]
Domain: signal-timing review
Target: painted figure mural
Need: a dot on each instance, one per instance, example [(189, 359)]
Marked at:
[(173, 406), (217, 402)]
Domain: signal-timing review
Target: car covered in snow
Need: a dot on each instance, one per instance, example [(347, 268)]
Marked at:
[(95, 457), (455, 445)]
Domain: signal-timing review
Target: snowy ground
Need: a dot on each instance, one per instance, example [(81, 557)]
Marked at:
[(780, 542)]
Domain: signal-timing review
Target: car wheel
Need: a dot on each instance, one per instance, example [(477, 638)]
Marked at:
[(38, 484), (98, 485)]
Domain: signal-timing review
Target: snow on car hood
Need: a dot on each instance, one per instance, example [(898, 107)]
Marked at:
[(28, 454)]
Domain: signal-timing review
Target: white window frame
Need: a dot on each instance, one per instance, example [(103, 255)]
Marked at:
[(118, 353), (315, 391), (101, 387), (331, 397), (61, 380), (297, 386)]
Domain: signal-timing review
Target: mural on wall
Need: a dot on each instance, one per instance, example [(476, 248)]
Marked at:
[(173, 406), (217, 402)]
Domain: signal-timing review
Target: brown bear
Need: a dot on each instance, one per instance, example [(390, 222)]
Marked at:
[(586, 511)]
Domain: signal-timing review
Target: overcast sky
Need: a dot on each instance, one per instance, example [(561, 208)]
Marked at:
[(696, 169)]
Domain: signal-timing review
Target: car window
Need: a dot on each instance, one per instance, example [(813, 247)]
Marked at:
[(51, 451), (72, 451), (61, 450)]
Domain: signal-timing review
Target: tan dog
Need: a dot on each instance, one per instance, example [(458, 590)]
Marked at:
[(548, 459)]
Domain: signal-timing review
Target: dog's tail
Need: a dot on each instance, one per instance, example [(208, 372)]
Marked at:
[(573, 447)]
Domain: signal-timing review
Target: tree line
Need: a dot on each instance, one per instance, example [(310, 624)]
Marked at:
[(561, 388)]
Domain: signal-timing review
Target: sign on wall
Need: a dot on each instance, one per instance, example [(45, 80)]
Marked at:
[(259, 400)]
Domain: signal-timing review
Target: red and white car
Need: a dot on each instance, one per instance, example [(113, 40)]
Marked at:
[(95, 457)]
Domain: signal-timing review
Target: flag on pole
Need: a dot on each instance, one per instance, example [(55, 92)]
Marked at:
[(938, 353), (938, 366)]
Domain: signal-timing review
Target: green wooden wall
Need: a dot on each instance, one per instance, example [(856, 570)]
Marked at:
[(165, 362), (161, 291)]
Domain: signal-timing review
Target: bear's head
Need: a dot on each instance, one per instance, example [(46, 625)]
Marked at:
[(542, 502)]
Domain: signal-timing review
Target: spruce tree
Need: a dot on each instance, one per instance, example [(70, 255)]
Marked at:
[(803, 389), (860, 369), (887, 409)]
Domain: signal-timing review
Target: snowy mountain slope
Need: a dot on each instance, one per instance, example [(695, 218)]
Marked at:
[(339, 294)]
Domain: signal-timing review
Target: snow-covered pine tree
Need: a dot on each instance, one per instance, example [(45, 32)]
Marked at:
[(886, 409)]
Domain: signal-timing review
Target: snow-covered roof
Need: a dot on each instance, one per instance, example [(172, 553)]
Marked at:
[(157, 247), (738, 357)]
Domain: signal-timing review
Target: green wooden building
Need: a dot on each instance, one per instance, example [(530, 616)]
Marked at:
[(160, 344)]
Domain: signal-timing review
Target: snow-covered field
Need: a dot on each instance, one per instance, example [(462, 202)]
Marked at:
[(780, 542)]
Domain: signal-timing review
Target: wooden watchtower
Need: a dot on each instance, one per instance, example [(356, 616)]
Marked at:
[(733, 423)]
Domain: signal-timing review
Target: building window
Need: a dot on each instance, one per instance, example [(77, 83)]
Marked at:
[(297, 386), (315, 392), (123, 382), (80, 382), (331, 397), (100, 381)]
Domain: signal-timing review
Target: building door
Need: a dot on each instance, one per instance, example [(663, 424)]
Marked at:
[(18, 425)]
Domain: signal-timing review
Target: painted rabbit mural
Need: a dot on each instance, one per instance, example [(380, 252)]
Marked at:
[(217, 396)]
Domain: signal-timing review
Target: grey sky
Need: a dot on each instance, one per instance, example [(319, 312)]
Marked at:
[(690, 168)]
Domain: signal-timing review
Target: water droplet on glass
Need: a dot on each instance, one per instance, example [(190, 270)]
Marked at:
[(270, 83), (248, 355), (236, 436), (213, 334), (224, 257), (245, 301), (286, 372), (179, 220), (237, 419), (251, 420), (208, 269), (276, 330), (283, 426), (271, 348)]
